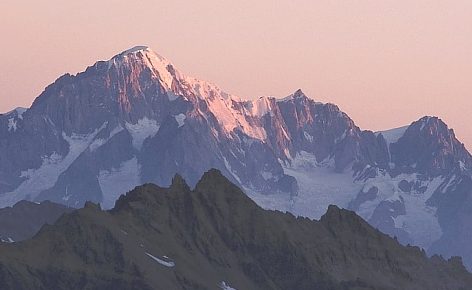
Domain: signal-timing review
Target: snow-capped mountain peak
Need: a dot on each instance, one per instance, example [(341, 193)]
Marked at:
[(298, 94), (135, 49), (136, 118), (158, 65)]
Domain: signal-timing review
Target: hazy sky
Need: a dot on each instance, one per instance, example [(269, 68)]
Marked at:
[(386, 63)]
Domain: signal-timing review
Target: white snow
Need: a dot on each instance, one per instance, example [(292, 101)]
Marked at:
[(320, 186), (11, 124), (12, 121), (421, 221), (308, 136), (172, 96), (180, 118), (97, 143), (285, 99), (393, 135), (139, 48), (228, 166), (44, 177), (225, 286), (219, 103), (452, 182), (342, 137), (260, 107), (20, 112), (159, 64), (118, 181), (142, 130), (267, 175), (169, 263), (424, 121), (8, 240), (230, 118)]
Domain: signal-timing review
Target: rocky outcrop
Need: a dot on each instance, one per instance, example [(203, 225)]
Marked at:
[(429, 147)]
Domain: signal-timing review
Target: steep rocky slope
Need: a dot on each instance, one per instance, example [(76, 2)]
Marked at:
[(215, 237), (23, 220)]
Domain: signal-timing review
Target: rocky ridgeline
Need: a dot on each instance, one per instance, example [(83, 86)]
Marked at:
[(214, 235)]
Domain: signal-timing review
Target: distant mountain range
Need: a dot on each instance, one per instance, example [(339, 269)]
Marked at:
[(137, 119), (215, 237)]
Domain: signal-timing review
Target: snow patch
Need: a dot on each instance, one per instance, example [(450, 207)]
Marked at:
[(44, 177), (139, 48), (219, 103), (97, 143), (228, 167), (142, 130), (20, 112), (424, 121), (420, 220), (172, 96), (393, 135), (319, 186), (260, 107), (224, 286), (8, 240), (118, 181), (267, 175), (169, 263), (308, 136), (180, 118), (159, 66), (340, 138), (11, 125)]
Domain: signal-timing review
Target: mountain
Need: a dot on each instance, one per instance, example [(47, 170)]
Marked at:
[(137, 119), (216, 237), (23, 220)]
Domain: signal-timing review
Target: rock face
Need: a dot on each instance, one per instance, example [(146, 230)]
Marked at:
[(215, 236), (136, 118), (24, 219)]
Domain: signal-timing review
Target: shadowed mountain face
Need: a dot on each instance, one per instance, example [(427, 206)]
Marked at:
[(137, 119), (24, 219), (215, 237)]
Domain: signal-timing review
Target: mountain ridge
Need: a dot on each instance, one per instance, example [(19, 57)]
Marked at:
[(137, 119), (179, 238)]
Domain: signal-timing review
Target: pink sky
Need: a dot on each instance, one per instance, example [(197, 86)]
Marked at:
[(384, 62)]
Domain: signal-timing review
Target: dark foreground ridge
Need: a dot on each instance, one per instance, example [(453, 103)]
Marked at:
[(212, 237), (23, 220)]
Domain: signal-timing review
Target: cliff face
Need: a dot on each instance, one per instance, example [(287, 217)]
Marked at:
[(215, 236)]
